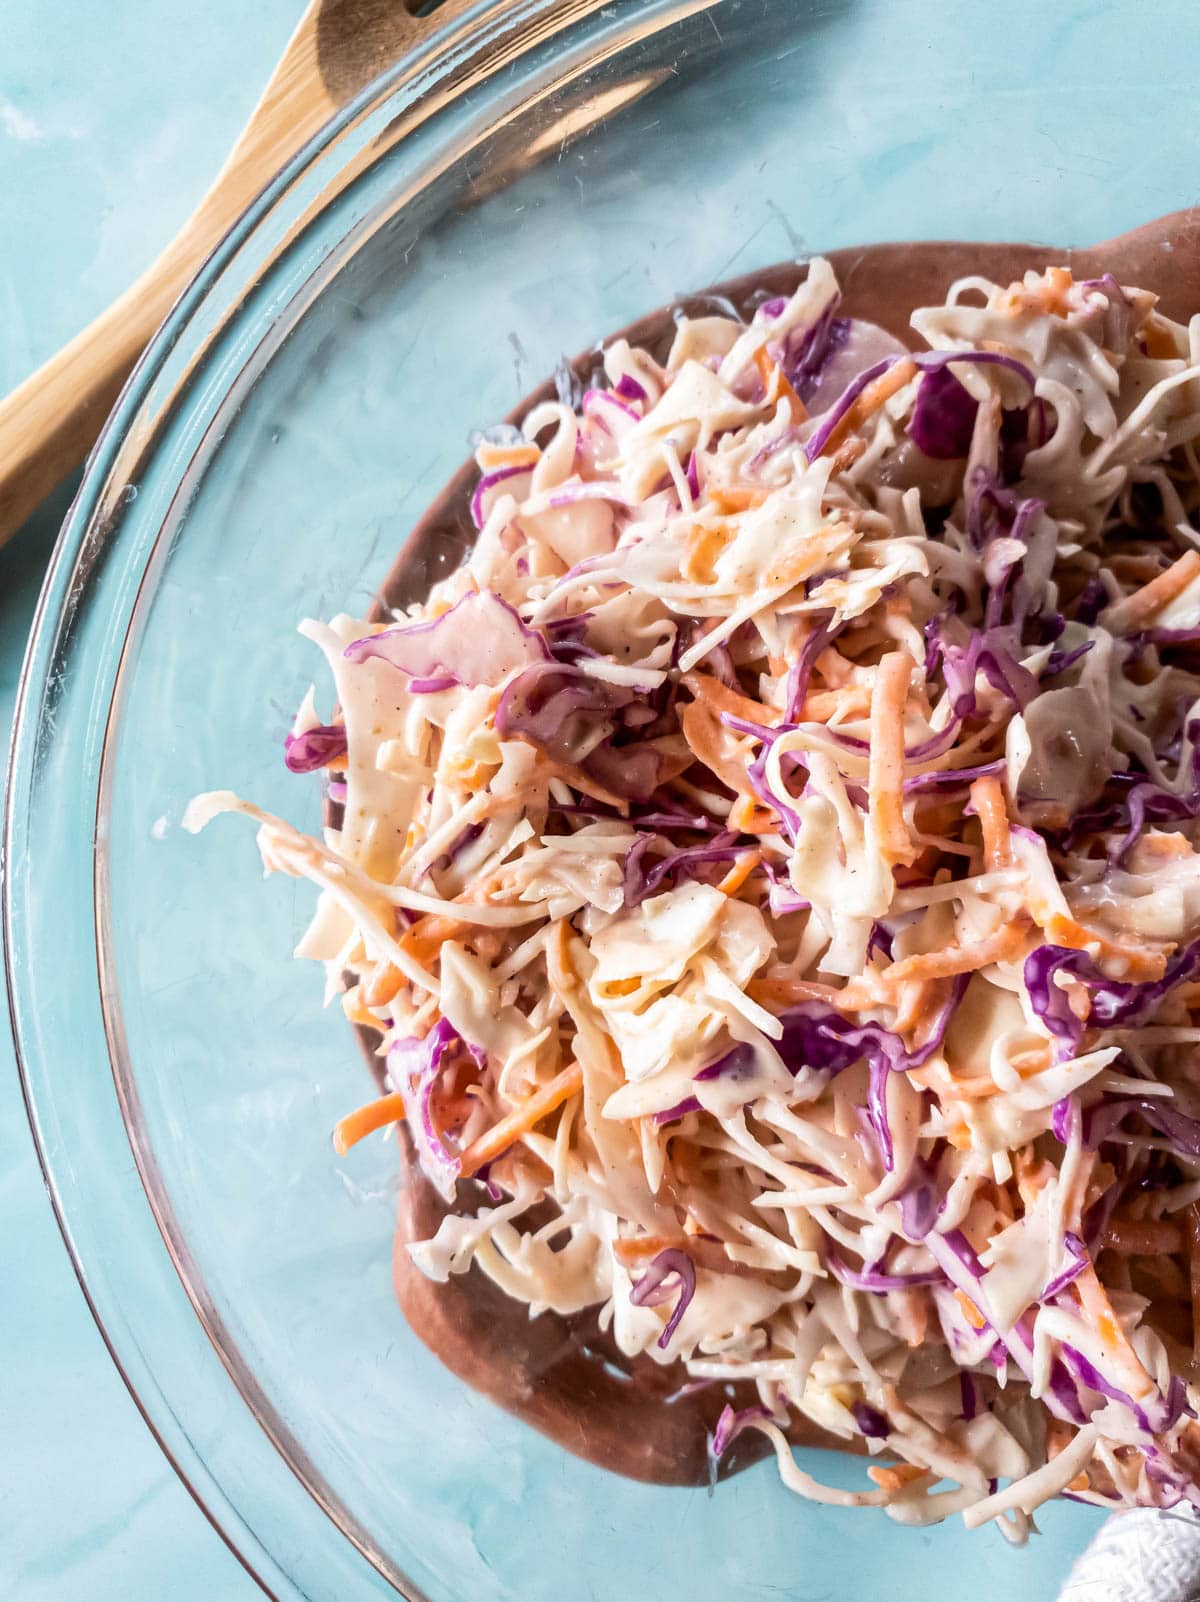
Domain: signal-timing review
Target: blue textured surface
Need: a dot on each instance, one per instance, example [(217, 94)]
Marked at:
[(109, 132), (109, 127)]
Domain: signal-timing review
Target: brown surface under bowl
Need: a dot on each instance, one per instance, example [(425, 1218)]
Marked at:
[(560, 1375)]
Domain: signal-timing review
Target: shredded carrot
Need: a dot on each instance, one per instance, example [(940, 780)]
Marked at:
[(915, 1002), (468, 774), (720, 698), (972, 1087), (899, 1476), (711, 744), (640, 1248), (833, 667), (560, 970), (778, 386), (1138, 962), (621, 987), (747, 816), (704, 544), (871, 399), (739, 873), (987, 798), (850, 452), (490, 457), (425, 938), (1136, 610), (1008, 942), (579, 780), (1157, 339), (732, 498), (1093, 1298), (350, 1130), (978, 1087), (1058, 1437), (704, 1250), (970, 1312), (1048, 296), (914, 1306), (383, 985), (784, 992), (1033, 1175), (824, 705), (885, 793), (1152, 849), (522, 1119), (355, 1013)]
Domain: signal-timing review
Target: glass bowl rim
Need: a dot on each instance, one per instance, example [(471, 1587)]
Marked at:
[(89, 531)]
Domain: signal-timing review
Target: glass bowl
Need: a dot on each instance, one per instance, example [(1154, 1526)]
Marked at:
[(520, 187)]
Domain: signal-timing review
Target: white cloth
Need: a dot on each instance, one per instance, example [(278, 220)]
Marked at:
[(1141, 1556)]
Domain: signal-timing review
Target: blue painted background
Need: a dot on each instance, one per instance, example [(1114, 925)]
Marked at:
[(114, 114)]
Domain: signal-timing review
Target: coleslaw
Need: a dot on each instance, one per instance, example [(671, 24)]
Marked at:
[(776, 849)]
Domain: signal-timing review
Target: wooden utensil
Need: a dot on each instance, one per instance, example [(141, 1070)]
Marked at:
[(50, 422)]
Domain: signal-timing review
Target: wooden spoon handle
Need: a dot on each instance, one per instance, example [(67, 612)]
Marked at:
[(50, 422)]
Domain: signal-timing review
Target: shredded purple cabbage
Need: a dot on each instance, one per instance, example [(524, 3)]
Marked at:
[(1113, 1001), (733, 1421), (871, 1422), (984, 653), (689, 1104), (642, 882), (815, 1036), (478, 641), (969, 1400), (801, 669), (600, 401), (939, 777), (871, 1278), (1060, 661), (1158, 1416), (315, 748), (555, 705), (651, 1290), (489, 482), (739, 1063), (1079, 1259), (1061, 1118), (920, 1202), (926, 361), (1133, 800), (414, 1067), (943, 416), (782, 899), (1160, 1112), (805, 364), (1090, 602)]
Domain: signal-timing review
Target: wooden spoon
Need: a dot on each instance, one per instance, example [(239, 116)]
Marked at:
[(562, 1376), (50, 422)]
